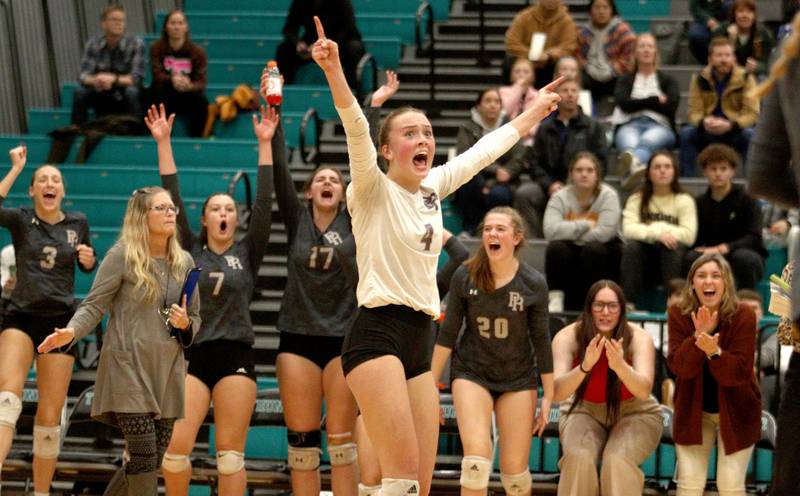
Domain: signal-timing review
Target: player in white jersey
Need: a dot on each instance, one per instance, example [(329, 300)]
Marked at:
[(397, 224)]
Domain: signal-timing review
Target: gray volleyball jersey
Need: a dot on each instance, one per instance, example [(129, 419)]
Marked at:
[(46, 258), (319, 298), (506, 337), (228, 279)]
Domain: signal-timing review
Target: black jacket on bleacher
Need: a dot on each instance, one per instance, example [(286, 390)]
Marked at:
[(736, 220), (666, 83), (548, 159)]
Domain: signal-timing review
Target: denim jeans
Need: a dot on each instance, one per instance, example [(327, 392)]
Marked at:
[(643, 136)]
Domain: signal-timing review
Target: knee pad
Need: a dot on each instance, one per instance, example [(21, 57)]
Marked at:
[(517, 484), (175, 464), (399, 487), (46, 441), (304, 449), (475, 472), (229, 462), (368, 490), (342, 449), (10, 408)]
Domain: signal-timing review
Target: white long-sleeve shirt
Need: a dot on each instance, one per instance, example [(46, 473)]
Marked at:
[(398, 233)]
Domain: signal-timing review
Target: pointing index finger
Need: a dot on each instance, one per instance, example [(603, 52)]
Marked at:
[(553, 84), (320, 30)]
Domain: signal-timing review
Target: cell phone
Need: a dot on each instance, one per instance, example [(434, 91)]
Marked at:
[(190, 284)]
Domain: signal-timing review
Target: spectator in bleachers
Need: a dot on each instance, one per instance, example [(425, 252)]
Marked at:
[(139, 386), (568, 67), (717, 399), (646, 103), (752, 41), (605, 48), (112, 71), (604, 367), (493, 186), (501, 302), (722, 106), (728, 219), (773, 174), (520, 94), (786, 29), (549, 28), (562, 135), (49, 243), (8, 272), (581, 224), (708, 15), (295, 50), (659, 223), (180, 70)]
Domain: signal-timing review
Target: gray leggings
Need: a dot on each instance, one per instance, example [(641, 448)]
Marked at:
[(147, 439)]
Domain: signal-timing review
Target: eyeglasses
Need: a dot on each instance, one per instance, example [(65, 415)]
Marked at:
[(612, 306), (165, 209)]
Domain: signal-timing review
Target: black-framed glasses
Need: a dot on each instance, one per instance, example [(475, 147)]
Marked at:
[(612, 306)]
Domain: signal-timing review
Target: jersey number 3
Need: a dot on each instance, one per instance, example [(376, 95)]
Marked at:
[(500, 327), (49, 261)]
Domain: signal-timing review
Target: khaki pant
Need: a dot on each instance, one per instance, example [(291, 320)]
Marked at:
[(693, 463), (586, 439)]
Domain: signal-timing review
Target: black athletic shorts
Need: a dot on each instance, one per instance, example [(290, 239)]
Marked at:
[(390, 330), (212, 361), (319, 349), (38, 327)]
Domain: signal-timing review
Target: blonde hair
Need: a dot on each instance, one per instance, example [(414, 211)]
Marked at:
[(656, 60), (790, 51), (135, 236), (729, 302), (479, 270)]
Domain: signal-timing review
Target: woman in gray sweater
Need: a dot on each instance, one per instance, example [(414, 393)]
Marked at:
[(140, 379), (581, 223)]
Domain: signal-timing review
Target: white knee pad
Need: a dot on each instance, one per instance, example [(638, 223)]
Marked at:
[(10, 408), (303, 458), (341, 449), (516, 484), (175, 464), (475, 472), (46, 441), (229, 462), (399, 487), (368, 490)]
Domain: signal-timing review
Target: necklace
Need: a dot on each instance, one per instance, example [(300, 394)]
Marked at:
[(165, 310)]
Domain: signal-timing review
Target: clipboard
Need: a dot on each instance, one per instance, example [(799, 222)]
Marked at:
[(190, 284)]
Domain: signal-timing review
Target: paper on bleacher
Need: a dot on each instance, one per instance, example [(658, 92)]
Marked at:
[(537, 46)]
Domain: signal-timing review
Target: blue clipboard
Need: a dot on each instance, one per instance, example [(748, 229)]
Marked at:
[(190, 284)]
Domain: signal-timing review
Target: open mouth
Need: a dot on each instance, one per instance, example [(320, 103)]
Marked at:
[(327, 194), (421, 159), (223, 226), (494, 247), (709, 293), (49, 195)]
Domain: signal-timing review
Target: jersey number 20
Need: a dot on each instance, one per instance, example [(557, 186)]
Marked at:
[(500, 327)]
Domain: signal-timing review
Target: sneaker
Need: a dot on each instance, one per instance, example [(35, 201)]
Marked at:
[(635, 174), (625, 162), (556, 301)]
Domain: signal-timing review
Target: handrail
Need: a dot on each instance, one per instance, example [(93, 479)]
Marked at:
[(313, 156), (367, 58), (51, 58), (244, 218), (149, 15), (15, 66), (430, 47), (483, 59), (80, 22)]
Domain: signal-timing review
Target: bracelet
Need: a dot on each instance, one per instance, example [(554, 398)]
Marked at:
[(116, 80), (580, 366)]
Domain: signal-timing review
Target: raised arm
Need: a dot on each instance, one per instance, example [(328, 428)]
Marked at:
[(10, 217), (261, 220), (325, 53), (161, 129)]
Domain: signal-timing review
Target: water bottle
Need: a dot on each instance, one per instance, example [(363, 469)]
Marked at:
[(274, 90)]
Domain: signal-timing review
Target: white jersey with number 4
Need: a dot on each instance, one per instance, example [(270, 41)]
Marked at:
[(399, 234)]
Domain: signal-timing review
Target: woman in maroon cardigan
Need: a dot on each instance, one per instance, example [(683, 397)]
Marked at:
[(717, 398)]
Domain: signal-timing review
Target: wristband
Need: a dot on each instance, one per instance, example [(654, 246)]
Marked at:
[(580, 366)]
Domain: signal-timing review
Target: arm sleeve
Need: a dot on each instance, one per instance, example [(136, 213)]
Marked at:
[(455, 310), (684, 359), (539, 328), (365, 176), (567, 41), (752, 220), (261, 219), (157, 62), (516, 44), (170, 183), (457, 253), (696, 110), (735, 366), (514, 160), (632, 226), (769, 170), (749, 114), (11, 219), (623, 61), (622, 94), (199, 68), (450, 176), (104, 288), (285, 193), (686, 230), (88, 62), (137, 63), (608, 210), (373, 115), (556, 227)]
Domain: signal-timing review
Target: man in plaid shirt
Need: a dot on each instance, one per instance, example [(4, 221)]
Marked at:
[(112, 71)]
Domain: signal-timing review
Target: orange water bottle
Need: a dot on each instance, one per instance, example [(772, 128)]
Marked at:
[(274, 90)]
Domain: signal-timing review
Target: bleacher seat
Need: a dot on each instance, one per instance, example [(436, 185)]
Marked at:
[(441, 8)]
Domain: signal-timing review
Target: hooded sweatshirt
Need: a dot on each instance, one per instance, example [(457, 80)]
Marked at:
[(558, 26)]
